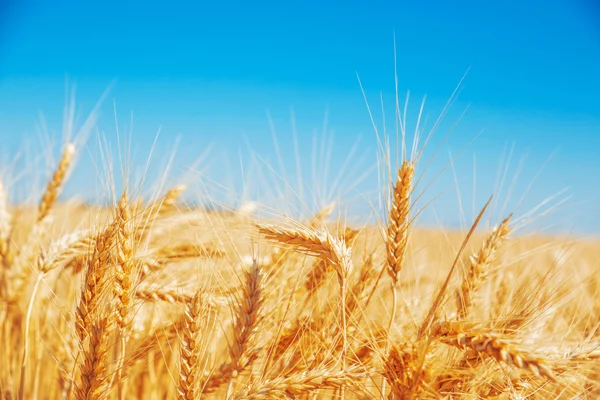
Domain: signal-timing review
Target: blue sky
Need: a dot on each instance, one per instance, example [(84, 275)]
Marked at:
[(210, 73)]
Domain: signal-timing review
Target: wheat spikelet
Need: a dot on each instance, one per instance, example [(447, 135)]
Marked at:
[(248, 316), (279, 257), (398, 221), (404, 371), (317, 274), (68, 247), (318, 219), (479, 267), (93, 368), (492, 345), (310, 241), (170, 198), (396, 239), (158, 208), (302, 383), (55, 183), (190, 349), (124, 264), (242, 351), (172, 296), (317, 242), (38, 231), (93, 284)]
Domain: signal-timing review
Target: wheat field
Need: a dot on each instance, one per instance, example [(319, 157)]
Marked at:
[(154, 299)]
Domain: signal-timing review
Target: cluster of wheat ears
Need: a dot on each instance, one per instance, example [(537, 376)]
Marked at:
[(154, 300)]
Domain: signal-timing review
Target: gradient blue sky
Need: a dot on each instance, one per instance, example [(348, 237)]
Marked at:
[(207, 72)]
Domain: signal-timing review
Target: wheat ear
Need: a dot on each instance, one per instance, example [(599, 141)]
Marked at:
[(492, 345), (317, 242), (190, 349), (170, 198), (479, 268), (172, 296), (93, 284), (158, 208), (56, 182), (94, 375), (123, 285), (397, 234), (303, 383), (398, 220), (248, 316), (124, 263)]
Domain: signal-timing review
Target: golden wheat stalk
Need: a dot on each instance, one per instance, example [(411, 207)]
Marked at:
[(248, 317), (94, 283), (317, 242), (398, 230), (479, 268), (319, 218), (322, 244), (493, 345), (317, 275), (158, 209), (173, 296), (64, 250), (94, 366), (56, 182), (399, 220), (123, 283), (242, 351), (439, 301), (303, 383), (189, 362), (170, 198), (123, 288)]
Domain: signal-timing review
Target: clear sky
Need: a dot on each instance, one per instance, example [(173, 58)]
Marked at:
[(212, 72)]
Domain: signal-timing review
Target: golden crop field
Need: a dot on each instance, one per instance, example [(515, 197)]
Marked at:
[(154, 299)]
